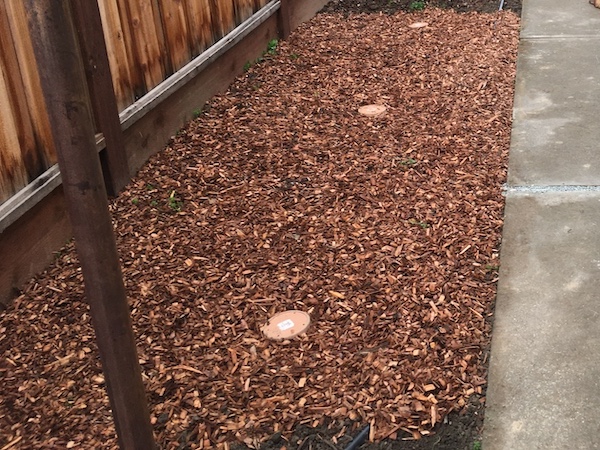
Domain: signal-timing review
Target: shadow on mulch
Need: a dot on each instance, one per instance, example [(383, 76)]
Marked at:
[(392, 6), (460, 431)]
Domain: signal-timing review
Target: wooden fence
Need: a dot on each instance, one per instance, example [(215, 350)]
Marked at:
[(147, 41), (26, 148), (166, 58)]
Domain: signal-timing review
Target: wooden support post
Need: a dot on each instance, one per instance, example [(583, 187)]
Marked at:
[(285, 19), (88, 24), (64, 86)]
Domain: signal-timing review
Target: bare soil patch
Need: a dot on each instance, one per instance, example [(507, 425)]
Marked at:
[(280, 195)]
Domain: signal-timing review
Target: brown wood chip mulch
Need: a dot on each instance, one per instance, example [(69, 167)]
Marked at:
[(281, 196)]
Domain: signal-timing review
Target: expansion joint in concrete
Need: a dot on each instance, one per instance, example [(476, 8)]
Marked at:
[(542, 189), (559, 37)]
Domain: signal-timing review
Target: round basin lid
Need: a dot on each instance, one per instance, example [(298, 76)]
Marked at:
[(372, 110), (286, 325)]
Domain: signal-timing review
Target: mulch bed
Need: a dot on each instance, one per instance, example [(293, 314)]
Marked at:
[(392, 6), (280, 195)]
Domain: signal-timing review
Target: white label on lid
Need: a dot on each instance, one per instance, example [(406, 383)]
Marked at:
[(285, 325)]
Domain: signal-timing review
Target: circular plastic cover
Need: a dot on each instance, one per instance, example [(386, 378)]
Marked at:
[(286, 325), (372, 110)]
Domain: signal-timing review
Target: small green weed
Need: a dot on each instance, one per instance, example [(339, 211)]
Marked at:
[(477, 445), (294, 56), (135, 200), (408, 162), (420, 223), (271, 50), (150, 187), (174, 202), (196, 113), (492, 268), (417, 5), (272, 46)]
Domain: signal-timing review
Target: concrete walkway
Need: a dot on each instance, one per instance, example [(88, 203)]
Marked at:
[(544, 381)]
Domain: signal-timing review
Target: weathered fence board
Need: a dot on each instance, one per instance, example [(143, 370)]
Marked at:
[(14, 173), (200, 22), (26, 149), (147, 44), (118, 57), (243, 10), (176, 32), (224, 14), (31, 84)]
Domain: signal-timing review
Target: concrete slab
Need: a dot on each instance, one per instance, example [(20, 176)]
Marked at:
[(544, 380), (559, 18), (555, 137)]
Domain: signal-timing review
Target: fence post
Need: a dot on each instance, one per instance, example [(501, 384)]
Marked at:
[(88, 24), (285, 19), (63, 83)]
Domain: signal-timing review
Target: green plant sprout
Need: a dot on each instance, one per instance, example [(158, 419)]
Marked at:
[(272, 46), (417, 5), (408, 162), (422, 224), (174, 203)]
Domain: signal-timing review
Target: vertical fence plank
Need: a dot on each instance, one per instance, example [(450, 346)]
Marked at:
[(118, 57), (176, 31), (137, 86), (15, 11), (30, 156), (258, 4), (224, 17), (243, 10), (200, 25), (13, 174), (148, 51), (160, 36)]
